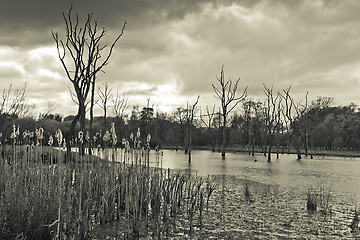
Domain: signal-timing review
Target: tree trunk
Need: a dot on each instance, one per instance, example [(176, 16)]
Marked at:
[(298, 152), (289, 144), (186, 139), (70, 135), (298, 145), (91, 115), (82, 128), (223, 148), (253, 147), (189, 140), (104, 117), (265, 144), (277, 146), (269, 153), (265, 149), (306, 144), (189, 152)]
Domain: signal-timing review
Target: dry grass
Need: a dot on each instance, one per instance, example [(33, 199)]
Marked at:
[(42, 198)]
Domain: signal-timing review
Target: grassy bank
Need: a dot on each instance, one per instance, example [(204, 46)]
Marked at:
[(42, 198)]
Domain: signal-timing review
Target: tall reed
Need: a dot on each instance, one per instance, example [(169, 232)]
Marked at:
[(69, 201)]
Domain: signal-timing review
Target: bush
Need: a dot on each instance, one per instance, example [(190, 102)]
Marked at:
[(319, 199)]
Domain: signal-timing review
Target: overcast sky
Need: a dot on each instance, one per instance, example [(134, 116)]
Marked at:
[(172, 51)]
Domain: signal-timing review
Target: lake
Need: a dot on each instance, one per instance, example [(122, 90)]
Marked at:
[(341, 175), (278, 191)]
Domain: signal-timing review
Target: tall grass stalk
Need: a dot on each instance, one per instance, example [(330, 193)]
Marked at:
[(69, 201)]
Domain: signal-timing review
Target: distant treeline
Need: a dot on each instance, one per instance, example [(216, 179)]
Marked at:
[(321, 126)]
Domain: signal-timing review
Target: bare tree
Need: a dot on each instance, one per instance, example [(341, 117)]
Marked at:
[(105, 96), (50, 108), (120, 104), (273, 109), (179, 116), (293, 112), (190, 113), (14, 103), (83, 47), (227, 95), (252, 115), (207, 120)]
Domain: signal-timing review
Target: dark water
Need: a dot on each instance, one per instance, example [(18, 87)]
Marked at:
[(341, 175)]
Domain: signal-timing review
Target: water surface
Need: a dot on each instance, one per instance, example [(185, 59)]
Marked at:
[(341, 175)]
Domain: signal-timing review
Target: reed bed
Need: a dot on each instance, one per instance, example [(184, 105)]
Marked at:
[(43, 198)]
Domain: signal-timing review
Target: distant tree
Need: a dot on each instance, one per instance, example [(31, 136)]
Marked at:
[(190, 114), (207, 120), (69, 118), (105, 96), (273, 110), (161, 128), (226, 92), (135, 114), (50, 107), (83, 45), (56, 117), (146, 118), (14, 103), (120, 105), (180, 118), (330, 126), (293, 113), (217, 123), (252, 121), (237, 133), (147, 113), (322, 102)]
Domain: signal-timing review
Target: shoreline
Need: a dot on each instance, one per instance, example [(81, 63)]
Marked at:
[(240, 149)]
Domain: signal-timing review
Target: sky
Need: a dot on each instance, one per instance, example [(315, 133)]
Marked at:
[(172, 51)]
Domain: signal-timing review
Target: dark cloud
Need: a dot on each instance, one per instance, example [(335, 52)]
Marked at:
[(175, 49), (26, 22)]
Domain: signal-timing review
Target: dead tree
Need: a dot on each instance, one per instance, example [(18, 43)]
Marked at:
[(292, 113), (105, 96), (79, 54), (120, 105), (217, 125), (190, 112), (179, 116), (251, 109), (273, 109), (207, 120), (227, 95), (13, 103)]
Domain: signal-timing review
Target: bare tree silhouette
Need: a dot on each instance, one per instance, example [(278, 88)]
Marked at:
[(80, 55), (105, 96), (227, 95)]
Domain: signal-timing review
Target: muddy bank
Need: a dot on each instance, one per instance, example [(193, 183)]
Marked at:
[(272, 212), (242, 209)]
